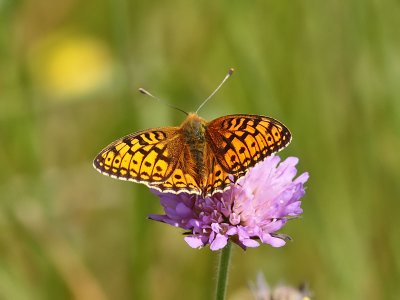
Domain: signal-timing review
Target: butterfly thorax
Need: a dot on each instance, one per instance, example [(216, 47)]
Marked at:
[(193, 130)]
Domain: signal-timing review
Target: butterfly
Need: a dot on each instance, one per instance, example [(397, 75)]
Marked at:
[(197, 157)]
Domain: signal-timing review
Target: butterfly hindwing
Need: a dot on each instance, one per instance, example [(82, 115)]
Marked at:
[(178, 182), (182, 179), (217, 178)]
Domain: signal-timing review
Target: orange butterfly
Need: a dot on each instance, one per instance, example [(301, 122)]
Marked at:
[(198, 157)]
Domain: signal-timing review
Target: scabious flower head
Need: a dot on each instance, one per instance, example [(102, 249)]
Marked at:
[(262, 291), (249, 212)]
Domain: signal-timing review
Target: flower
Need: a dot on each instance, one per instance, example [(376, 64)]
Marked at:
[(249, 212), (262, 291)]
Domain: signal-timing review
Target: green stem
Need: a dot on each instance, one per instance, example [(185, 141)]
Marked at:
[(223, 267)]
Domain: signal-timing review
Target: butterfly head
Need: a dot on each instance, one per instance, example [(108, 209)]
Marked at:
[(194, 125)]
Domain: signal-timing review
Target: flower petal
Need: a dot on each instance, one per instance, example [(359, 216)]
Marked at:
[(194, 242), (219, 242)]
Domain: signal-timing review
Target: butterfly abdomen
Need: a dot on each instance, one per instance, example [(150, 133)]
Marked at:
[(193, 130)]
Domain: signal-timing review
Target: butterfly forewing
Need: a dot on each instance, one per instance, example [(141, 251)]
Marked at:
[(241, 141)]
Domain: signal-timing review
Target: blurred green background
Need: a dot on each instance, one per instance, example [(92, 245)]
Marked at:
[(69, 73)]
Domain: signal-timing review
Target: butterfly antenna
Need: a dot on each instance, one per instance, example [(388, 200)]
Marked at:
[(230, 72), (143, 91)]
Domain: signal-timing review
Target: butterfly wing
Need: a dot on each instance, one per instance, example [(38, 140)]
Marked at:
[(153, 157), (183, 177), (217, 179), (240, 141)]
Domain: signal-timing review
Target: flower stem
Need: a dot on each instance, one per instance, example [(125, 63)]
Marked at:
[(223, 267)]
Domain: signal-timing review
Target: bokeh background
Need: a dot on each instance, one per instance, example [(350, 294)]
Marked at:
[(69, 73)]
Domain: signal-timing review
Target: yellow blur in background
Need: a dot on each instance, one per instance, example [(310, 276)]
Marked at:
[(69, 67), (69, 73)]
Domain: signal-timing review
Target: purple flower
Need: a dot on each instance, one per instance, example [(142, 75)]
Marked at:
[(249, 212), (262, 291)]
